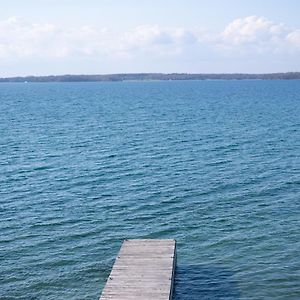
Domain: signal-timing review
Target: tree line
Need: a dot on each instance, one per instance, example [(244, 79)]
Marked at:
[(152, 76)]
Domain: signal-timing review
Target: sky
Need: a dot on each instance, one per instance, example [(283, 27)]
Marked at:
[(43, 37)]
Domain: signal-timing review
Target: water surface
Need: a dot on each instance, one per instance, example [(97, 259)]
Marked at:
[(214, 164)]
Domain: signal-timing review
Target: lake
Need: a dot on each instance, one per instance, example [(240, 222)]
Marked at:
[(213, 164)]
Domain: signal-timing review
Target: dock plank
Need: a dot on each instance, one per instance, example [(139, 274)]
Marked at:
[(144, 269)]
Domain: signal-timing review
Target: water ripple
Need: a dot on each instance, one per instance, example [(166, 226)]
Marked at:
[(213, 164)]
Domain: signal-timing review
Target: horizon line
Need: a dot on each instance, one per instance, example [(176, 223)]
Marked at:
[(150, 73), (151, 77)]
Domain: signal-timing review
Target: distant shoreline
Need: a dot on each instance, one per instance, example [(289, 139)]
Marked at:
[(152, 77)]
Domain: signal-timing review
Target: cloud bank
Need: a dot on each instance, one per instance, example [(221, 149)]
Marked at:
[(21, 40)]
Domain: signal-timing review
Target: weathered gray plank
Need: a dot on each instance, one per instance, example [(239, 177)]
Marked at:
[(143, 270)]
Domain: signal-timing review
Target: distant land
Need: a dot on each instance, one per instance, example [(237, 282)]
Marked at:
[(152, 76)]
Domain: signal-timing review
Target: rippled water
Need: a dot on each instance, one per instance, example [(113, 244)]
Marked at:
[(214, 164)]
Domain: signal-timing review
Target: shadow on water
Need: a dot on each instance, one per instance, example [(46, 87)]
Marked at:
[(195, 282)]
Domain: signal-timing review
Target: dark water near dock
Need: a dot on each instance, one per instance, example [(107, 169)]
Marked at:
[(214, 164)]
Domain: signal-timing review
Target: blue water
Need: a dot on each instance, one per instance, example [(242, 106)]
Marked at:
[(214, 164)]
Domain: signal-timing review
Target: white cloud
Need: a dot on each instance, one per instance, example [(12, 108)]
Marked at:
[(252, 29), (157, 40), (258, 35), (20, 40), (294, 38)]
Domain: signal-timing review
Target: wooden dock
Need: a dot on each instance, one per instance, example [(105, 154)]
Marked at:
[(143, 270)]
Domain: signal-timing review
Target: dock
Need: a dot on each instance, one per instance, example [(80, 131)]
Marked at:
[(143, 270)]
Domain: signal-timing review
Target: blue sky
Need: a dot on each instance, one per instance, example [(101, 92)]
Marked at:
[(43, 37)]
